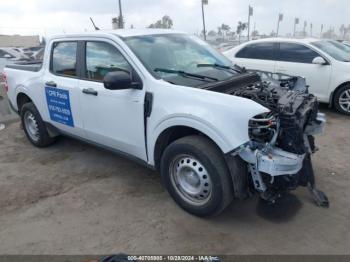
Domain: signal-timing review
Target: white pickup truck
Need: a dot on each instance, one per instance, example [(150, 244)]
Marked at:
[(213, 130)]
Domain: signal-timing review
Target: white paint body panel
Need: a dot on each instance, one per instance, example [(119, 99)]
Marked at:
[(116, 118), (323, 80)]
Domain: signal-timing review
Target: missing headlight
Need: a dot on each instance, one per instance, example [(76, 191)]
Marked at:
[(262, 128)]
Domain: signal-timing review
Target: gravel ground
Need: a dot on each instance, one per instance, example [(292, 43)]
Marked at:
[(73, 198)]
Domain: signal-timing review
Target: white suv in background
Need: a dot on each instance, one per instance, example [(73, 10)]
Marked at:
[(322, 63)]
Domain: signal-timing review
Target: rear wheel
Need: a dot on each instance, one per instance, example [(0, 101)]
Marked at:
[(342, 100), (34, 127), (196, 175)]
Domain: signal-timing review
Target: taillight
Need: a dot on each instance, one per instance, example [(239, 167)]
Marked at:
[(4, 79)]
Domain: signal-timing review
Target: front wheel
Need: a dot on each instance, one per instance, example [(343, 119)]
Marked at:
[(196, 175), (342, 100)]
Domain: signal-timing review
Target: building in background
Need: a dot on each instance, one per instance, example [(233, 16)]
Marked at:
[(19, 41)]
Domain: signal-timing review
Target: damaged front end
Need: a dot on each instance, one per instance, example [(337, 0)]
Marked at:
[(282, 140)]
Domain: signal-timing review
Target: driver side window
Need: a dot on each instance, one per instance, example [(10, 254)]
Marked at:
[(102, 58)]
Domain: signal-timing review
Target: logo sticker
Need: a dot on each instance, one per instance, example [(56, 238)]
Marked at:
[(58, 103)]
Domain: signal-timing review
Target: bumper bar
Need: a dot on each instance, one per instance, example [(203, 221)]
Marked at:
[(275, 162)]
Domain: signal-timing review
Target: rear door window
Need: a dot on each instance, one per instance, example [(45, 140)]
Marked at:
[(296, 53), (261, 51), (64, 58)]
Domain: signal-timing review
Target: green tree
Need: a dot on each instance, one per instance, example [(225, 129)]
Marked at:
[(212, 33), (225, 28), (166, 22), (240, 28), (219, 31)]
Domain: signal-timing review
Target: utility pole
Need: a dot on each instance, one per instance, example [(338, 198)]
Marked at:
[(121, 19), (280, 18), (250, 13), (204, 2), (296, 21), (321, 31)]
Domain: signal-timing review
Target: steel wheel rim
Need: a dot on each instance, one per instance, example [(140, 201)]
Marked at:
[(344, 100), (31, 126), (190, 179)]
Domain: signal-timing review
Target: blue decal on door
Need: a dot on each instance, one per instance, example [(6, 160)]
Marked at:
[(58, 103)]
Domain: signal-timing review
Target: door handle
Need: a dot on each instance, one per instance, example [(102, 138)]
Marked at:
[(51, 84), (90, 91)]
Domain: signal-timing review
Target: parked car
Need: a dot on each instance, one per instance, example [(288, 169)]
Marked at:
[(341, 45), (224, 46), (171, 102), (347, 43), (324, 65)]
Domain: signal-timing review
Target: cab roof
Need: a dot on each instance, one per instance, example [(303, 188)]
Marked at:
[(122, 33)]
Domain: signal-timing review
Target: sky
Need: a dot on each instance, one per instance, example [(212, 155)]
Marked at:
[(47, 17)]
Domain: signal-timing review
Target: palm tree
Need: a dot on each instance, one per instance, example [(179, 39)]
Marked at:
[(240, 28), (166, 22), (219, 31), (225, 28)]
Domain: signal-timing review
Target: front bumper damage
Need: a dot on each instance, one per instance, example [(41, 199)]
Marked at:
[(272, 161), (275, 171)]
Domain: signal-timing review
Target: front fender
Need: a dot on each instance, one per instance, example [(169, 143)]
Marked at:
[(223, 118), (187, 121), (227, 136)]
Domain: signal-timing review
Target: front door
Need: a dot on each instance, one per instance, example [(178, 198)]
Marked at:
[(296, 59), (113, 118)]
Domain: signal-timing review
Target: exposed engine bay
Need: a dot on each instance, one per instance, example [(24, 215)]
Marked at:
[(282, 140)]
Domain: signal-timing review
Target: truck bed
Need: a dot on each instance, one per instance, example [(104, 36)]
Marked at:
[(33, 66)]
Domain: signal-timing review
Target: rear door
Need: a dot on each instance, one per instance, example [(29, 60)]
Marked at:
[(257, 56), (61, 91), (296, 59)]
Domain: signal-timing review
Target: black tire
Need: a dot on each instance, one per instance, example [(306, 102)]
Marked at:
[(43, 137), (210, 156), (337, 96)]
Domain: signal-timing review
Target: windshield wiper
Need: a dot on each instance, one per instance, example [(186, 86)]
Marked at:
[(186, 74), (236, 68)]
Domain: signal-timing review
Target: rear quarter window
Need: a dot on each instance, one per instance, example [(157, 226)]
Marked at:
[(296, 53)]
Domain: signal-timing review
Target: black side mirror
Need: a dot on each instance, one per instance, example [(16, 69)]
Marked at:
[(119, 80)]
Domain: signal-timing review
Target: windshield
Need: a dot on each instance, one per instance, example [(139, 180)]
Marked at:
[(333, 49), (341, 46), (176, 52)]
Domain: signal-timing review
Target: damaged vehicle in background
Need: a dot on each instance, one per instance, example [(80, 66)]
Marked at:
[(213, 130)]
